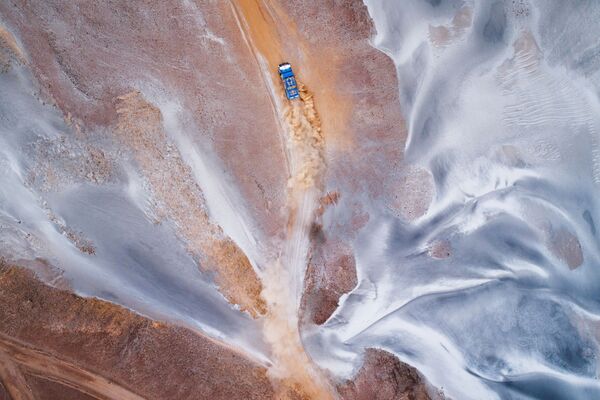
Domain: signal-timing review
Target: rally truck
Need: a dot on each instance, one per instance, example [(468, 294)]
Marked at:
[(289, 82)]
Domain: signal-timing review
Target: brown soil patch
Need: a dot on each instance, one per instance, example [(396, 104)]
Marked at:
[(384, 377), (9, 50), (440, 249), (235, 273), (65, 161), (8, 40), (443, 35), (411, 193), (566, 247), (12, 381), (156, 361), (331, 273), (4, 393), (44, 389)]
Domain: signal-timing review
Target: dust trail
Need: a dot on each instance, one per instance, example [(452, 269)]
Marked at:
[(283, 278), (305, 146), (293, 372)]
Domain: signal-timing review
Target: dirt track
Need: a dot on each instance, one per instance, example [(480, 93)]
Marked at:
[(304, 141), (38, 363)]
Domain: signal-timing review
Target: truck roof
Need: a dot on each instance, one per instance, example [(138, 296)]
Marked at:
[(289, 82), (284, 66)]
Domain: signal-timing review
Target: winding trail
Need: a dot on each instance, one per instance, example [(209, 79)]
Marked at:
[(17, 358), (13, 379)]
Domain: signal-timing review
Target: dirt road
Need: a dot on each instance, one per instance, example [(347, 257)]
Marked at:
[(269, 36), (17, 359)]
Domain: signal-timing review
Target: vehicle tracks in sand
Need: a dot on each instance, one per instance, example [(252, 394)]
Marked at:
[(16, 359), (303, 143)]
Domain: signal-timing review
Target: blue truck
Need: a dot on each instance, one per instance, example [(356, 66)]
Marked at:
[(289, 82)]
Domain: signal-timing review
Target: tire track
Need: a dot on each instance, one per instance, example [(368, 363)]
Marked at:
[(293, 372), (51, 368)]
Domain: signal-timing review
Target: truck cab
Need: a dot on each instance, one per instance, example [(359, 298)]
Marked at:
[(289, 81)]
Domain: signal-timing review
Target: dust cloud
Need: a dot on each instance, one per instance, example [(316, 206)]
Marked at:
[(283, 278)]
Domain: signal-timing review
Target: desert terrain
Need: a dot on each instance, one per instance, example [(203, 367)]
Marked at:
[(418, 224)]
